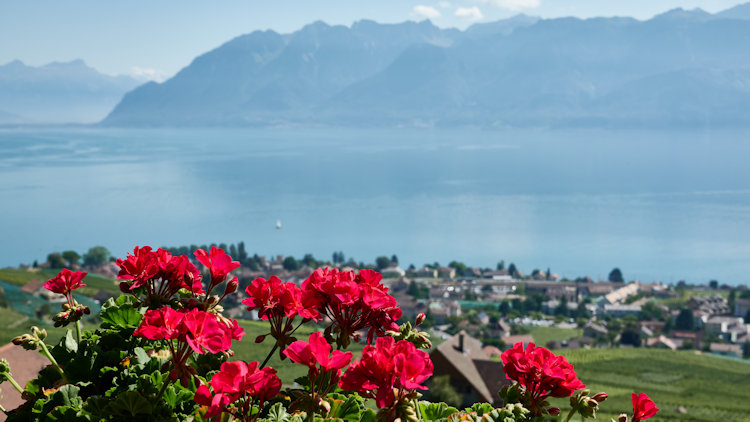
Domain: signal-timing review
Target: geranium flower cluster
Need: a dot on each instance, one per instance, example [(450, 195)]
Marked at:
[(193, 331), (541, 374), (160, 272), (237, 387), (353, 302), (64, 283), (324, 367), (390, 372), (279, 303)]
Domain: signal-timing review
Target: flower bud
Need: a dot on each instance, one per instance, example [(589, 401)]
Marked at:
[(125, 287), (40, 334), (554, 411), (420, 318), (591, 403), (600, 397), (232, 286), (623, 418), (260, 338), (325, 405)]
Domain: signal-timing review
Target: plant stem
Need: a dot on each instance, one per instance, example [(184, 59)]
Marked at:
[(572, 412), (78, 331), (14, 384), (417, 408), (48, 355)]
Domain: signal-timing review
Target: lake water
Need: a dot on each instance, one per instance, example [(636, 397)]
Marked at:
[(659, 205)]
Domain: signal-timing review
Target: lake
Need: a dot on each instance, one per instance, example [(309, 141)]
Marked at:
[(663, 205)]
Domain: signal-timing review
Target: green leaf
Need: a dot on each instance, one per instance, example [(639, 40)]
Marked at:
[(348, 410), (435, 411), (480, 408), (368, 415), (131, 403), (278, 413), (67, 395), (70, 342), (140, 356), (120, 313)]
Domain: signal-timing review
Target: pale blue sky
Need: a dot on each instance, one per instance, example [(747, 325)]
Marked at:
[(159, 37)]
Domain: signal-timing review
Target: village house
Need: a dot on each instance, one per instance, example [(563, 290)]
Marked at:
[(727, 328), (724, 349), (472, 372)]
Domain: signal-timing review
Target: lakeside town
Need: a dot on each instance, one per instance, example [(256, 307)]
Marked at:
[(498, 306)]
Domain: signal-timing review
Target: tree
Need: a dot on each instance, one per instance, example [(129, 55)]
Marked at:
[(501, 265), (382, 262), (562, 307), (714, 284), (394, 259), (309, 260), (512, 270), (71, 257), (442, 390), (616, 276), (685, 320), (241, 252), (55, 260), (290, 264), (233, 251), (504, 307), (459, 266), (631, 335), (96, 255)]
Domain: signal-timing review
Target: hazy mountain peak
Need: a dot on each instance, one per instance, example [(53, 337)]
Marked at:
[(741, 11), (679, 13)]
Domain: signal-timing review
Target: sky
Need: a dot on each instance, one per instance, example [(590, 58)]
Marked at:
[(153, 39)]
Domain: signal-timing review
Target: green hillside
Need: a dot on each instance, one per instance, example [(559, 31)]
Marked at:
[(710, 388)]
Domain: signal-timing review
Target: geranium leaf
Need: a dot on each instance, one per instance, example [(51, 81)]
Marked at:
[(120, 313), (131, 403), (368, 415), (70, 342), (277, 413), (435, 411), (348, 410)]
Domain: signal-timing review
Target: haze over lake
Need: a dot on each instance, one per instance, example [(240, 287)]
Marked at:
[(660, 205)]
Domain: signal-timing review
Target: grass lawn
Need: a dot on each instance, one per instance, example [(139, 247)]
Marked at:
[(543, 335), (710, 388)]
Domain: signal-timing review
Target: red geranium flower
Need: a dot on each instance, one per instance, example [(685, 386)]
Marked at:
[(541, 373), (390, 372), (643, 407), (354, 302), (160, 272), (317, 351), (161, 324), (203, 332), (65, 281), (218, 263), (241, 383)]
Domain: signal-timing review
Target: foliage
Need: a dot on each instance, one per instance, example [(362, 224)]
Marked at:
[(96, 255), (616, 276)]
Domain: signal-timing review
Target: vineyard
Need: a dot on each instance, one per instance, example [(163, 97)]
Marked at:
[(709, 388)]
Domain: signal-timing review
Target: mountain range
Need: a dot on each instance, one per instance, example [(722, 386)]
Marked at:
[(680, 68), (58, 93)]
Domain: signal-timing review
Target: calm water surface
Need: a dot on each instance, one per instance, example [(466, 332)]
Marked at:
[(659, 205)]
